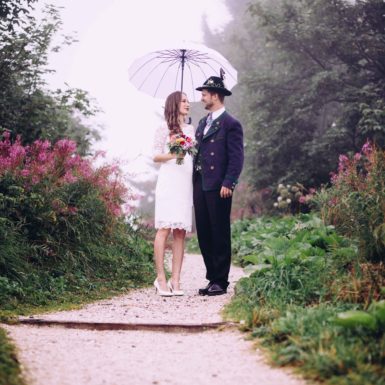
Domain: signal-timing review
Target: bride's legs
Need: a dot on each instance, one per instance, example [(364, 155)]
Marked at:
[(159, 249), (177, 256)]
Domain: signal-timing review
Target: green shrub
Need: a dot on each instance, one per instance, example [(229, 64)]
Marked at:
[(355, 203), (325, 351), (304, 276), (62, 226)]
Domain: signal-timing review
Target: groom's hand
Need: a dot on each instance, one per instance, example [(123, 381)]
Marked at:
[(225, 192)]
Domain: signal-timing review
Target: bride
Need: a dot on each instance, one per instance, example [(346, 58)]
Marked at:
[(173, 194)]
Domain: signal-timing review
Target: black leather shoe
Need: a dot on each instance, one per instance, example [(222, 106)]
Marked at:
[(204, 290), (216, 289)]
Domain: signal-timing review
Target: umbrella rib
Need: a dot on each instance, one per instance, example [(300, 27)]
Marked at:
[(200, 68), (152, 70), (156, 71), (142, 66), (164, 74), (204, 58), (148, 62), (192, 79), (223, 66), (176, 78)]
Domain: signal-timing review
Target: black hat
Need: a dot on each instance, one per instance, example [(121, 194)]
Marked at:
[(215, 83)]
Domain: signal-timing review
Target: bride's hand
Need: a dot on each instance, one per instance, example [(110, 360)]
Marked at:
[(180, 156)]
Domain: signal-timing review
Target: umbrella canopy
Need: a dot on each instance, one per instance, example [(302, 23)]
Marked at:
[(182, 68)]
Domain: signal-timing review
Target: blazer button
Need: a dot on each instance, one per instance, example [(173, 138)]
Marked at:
[(212, 140), (212, 168), (212, 154)]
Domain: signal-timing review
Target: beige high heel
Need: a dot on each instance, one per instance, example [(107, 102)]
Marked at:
[(174, 292), (163, 293)]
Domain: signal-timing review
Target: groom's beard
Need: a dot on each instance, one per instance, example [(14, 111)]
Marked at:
[(208, 106)]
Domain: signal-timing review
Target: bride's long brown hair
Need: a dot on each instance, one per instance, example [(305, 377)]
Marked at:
[(171, 112)]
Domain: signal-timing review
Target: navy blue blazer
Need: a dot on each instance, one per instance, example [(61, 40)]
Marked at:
[(220, 152)]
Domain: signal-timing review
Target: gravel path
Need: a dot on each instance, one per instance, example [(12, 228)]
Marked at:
[(59, 356)]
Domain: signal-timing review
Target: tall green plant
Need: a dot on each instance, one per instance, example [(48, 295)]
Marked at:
[(355, 202)]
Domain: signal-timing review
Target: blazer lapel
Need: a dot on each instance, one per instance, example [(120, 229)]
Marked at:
[(199, 132), (215, 126)]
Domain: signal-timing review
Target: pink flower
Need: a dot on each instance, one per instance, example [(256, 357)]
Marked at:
[(69, 177), (72, 210), (65, 146), (334, 177), (357, 156), (343, 162), (367, 148)]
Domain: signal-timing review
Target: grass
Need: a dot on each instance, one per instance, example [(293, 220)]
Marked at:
[(72, 297), (10, 373), (302, 274), (109, 269), (192, 245)]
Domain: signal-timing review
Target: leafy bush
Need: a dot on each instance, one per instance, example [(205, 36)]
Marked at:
[(355, 203), (326, 352), (304, 276), (373, 319), (63, 225), (288, 259)]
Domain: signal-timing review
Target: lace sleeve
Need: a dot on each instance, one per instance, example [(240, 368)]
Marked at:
[(159, 140)]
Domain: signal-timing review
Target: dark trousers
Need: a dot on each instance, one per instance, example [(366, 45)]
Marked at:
[(212, 217)]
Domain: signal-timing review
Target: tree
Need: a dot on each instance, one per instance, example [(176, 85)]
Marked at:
[(26, 106), (312, 84)]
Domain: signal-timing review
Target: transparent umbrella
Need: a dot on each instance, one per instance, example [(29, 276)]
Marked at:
[(184, 68)]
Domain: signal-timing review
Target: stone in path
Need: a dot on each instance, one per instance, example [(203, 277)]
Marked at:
[(58, 356)]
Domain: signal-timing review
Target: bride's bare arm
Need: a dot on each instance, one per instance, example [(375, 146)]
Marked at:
[(163, 157), (166, 157)]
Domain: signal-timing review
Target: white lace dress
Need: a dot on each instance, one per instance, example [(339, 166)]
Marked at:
[(174, 190)]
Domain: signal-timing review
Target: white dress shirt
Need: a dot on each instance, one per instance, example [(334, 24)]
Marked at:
[(215, 114)]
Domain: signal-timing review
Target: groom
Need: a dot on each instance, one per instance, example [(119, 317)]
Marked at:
[(217, 167)]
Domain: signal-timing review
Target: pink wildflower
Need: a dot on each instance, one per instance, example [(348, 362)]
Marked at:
[(367, 148), (65, 146), (302, 199), (72, 210), (357, 156), (334, 177), (69, 177)]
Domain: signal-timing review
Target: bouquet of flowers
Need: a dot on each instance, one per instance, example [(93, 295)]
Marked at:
[(182, 144)]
